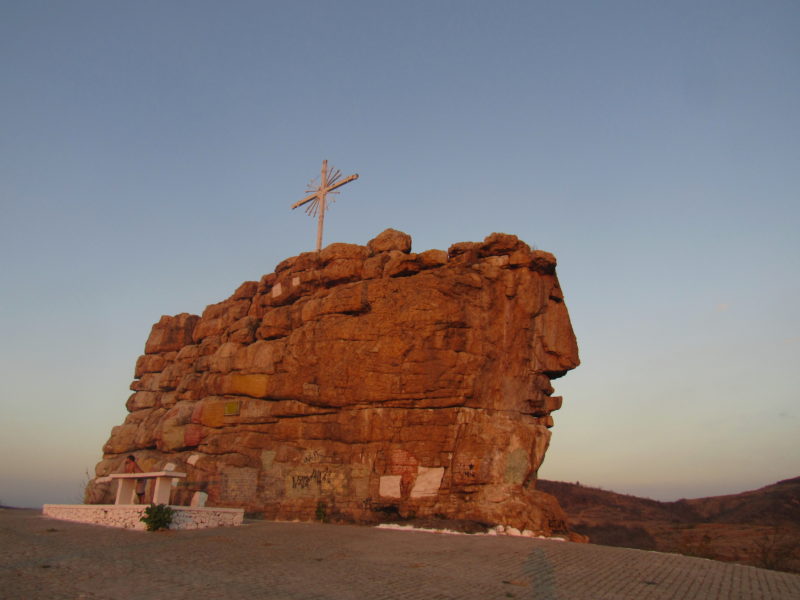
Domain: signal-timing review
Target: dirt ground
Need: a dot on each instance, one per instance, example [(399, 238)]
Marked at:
[(45, 558)]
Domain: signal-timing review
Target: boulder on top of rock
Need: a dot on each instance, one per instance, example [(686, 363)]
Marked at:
[(390, 239)]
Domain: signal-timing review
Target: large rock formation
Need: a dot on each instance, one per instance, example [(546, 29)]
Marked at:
[(361, 382)]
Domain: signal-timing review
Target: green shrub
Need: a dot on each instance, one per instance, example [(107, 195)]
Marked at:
[(322, 512), (157, 516)]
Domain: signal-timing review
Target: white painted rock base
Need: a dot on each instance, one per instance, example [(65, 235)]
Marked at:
[(127, 516)]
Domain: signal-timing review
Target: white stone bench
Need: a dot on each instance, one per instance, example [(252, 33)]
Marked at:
[(126, 491)]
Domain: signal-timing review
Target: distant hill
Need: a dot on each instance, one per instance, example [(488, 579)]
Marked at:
[(759, 527)]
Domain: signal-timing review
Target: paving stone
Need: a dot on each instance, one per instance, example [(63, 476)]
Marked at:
[(45, 558)]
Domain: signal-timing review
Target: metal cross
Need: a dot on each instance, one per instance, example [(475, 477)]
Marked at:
[(329, 180)]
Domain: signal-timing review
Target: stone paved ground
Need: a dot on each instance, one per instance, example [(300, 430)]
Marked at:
[(44, 558)]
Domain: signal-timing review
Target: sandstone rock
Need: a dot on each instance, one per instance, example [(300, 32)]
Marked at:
[(341, 271), (122, 439), (432, 258), (373, 267), (149, 363), (141, 400), (368, 380), (388, 240), (401, 264), (302, 262), (171, 333), (502, 243), (341, 251), (543, 262), (464, 253)]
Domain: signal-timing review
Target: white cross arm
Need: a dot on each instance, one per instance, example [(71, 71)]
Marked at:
[(317, 193), (342, 182), (304, 200)]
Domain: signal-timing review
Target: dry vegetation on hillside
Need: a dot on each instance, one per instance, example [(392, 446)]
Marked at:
[(759, 528)]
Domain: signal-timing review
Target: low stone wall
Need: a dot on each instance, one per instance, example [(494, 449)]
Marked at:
[(200, 518), (128, 516)]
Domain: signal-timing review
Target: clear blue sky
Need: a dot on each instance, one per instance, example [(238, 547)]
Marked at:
[(150, 150)]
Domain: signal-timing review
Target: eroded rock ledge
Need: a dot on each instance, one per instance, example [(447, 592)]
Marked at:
[(362, 381)]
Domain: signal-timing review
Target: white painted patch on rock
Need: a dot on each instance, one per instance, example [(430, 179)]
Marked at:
[(428, 481), (390, 486)]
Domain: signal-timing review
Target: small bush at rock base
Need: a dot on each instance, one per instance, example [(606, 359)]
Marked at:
[(157, 516)]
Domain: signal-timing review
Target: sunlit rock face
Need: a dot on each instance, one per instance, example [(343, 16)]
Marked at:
[(361, 382)]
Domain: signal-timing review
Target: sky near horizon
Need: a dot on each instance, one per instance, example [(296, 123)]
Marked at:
[(150, 151)]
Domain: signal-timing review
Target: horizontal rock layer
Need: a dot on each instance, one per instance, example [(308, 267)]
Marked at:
[(362, 382)]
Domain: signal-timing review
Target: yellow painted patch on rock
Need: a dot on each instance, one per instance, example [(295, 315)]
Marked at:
[(255, 385), (212, 414)]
